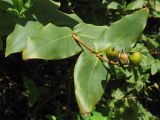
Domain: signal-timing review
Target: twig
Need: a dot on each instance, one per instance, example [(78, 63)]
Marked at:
[(92, 50), (105, 59), (83, 43), (134, 97), (155, 53)]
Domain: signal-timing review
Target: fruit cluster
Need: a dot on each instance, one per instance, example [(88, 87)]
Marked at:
[(115, 55)]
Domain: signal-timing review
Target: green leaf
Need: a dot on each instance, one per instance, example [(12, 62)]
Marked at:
[(141, 81), (156, 86), (155, 5), (147, 61), (51, 117), (117, 94), (18, 4), (31, 91), (7, 23), (135, 5), (96, 116), (50, 13), (140, 48), (28, 4), (114, 5), (155, 67), (6, 4), (8, 1), (124, 33), (17, 40), (89, 33), (51, 42), (89, 74)]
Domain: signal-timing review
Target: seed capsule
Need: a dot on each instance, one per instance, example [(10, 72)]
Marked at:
[(123, 57)]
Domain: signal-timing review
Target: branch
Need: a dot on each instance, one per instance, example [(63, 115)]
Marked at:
[(105, 59), (83, 43), (134, 97), (155, 53)]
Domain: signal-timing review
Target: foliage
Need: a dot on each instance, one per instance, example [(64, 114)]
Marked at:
[(51, 33)]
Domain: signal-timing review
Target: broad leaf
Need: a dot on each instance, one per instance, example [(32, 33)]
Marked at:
[(89, 74), (89, 33), (114, 5), (17, 40), (124, 33), (7, 23), (50, 13), (51, 42), (135, 5)]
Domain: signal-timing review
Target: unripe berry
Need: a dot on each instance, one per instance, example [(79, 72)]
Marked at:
[(135, 58), (112, 53)]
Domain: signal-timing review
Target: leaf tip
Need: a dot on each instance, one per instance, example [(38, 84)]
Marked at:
[(7, 54), (24, 55)]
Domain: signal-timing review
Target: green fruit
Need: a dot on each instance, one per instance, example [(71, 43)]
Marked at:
[(135, 58), (112, 53)]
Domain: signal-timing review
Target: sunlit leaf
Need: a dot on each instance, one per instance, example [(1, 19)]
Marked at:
[(89, 80), (89, 33), (114, 5), (17, 40), (135, 5), (51, 42), (124, 33)]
